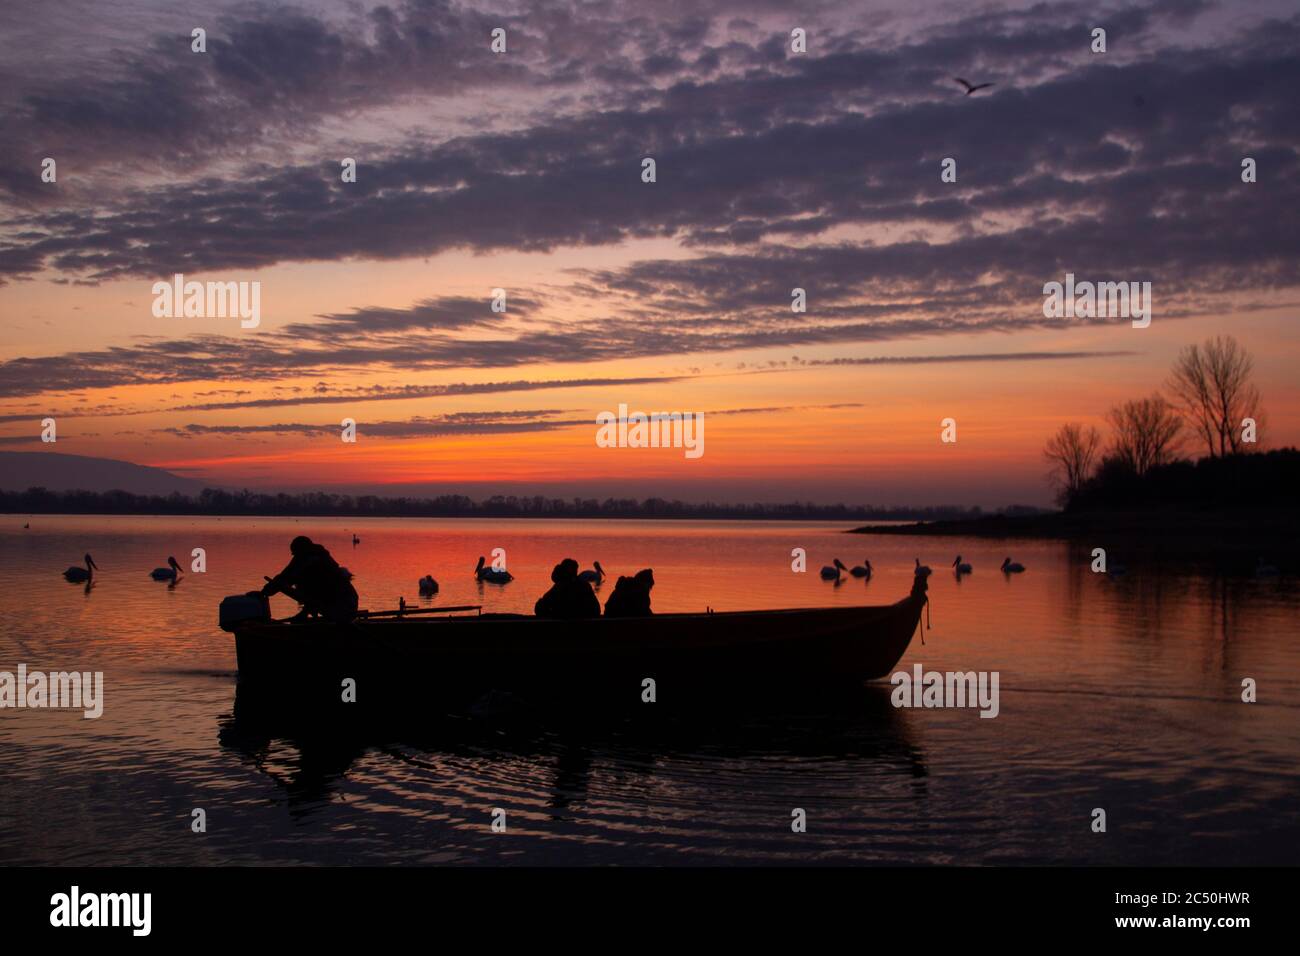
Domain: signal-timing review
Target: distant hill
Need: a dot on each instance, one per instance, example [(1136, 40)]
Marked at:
[(20, 470)]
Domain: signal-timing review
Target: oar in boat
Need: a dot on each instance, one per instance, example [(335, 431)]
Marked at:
[(405, 611)]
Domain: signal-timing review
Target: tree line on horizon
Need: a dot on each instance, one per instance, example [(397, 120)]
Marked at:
[(216, 501), (1209, 405)]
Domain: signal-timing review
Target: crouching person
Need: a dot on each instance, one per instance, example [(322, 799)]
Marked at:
[(570, 598), (631, 597), (314, 579)]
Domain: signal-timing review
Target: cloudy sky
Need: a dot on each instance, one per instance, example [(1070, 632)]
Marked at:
[(523, 171)]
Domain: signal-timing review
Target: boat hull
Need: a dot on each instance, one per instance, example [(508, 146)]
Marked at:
[(462, 656)]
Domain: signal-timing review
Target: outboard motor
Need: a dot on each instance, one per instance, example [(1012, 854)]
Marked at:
[(241, 609)]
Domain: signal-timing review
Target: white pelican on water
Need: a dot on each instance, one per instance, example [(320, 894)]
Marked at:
[(593, 577), (962, 568), (862, 570), (1011, 567), (428, 586), (832, 572), (922, 570), (168, 573), (491, 575), (75, 573)]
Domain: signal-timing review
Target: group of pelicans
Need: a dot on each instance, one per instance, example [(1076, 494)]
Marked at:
[(487, 574), (86, 571), (835, 571), (427, 585)]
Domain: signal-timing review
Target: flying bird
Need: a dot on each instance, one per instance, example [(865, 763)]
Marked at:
[(971, 88)]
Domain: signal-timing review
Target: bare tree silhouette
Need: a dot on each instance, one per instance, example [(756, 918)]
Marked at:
[(1211, 383), (1147, 432), (1073, 453)]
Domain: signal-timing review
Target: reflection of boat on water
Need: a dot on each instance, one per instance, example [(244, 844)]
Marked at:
[(310, 751), (458, 657)]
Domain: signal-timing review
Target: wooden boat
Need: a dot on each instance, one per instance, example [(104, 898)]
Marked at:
[(466, 653)]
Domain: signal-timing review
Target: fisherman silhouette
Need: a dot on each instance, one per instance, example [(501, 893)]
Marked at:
[(570, 597), (314, 579), (631, 597)]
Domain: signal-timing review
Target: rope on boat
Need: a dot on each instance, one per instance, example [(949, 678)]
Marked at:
[(919, 587)]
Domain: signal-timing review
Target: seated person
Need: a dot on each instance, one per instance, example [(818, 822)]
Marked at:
[(631, 597), (570, 597), (314, 579)]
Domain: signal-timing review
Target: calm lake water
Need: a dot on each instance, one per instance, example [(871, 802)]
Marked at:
[(1122, 693)]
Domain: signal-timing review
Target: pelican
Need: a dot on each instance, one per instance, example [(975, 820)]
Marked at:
[(355, 541), (862, 570), (1011, 567), (961, 567), (971, 87), (168, 573), (491, 575), (75, 573), (922, 570), (1265, 570), (593, 577), (832, 572), (428, 586)]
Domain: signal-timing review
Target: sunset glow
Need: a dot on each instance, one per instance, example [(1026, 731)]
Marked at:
[(672, 295)]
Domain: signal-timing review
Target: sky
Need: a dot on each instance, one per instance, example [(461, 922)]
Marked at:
[(523, 171)]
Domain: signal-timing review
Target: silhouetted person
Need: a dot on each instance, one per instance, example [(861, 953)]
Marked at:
[(631, 597), (314, 579), (570, 598)]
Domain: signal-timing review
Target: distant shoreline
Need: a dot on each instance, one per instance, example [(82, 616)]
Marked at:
[(1221, 536), (457, 517), (251, 504)]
